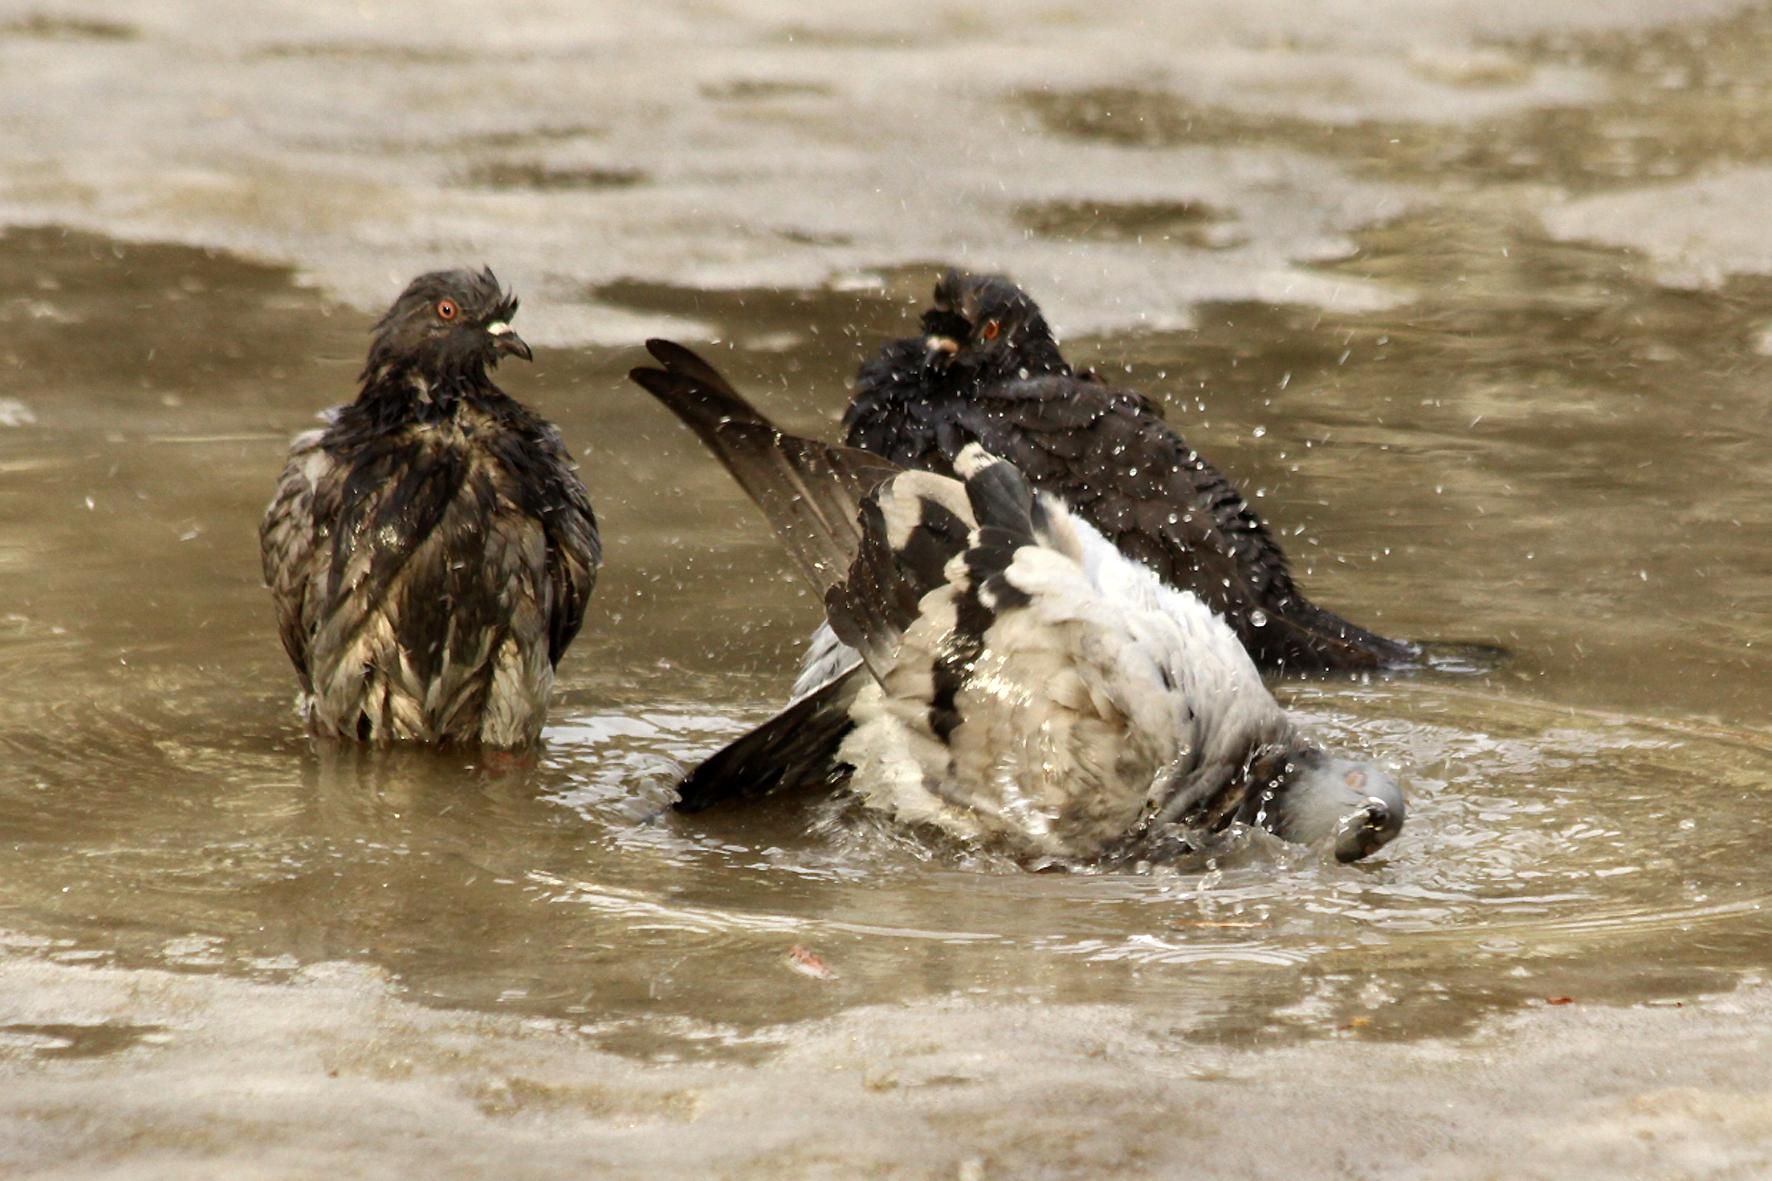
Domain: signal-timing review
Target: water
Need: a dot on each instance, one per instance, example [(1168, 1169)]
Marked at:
[(1473, 408)]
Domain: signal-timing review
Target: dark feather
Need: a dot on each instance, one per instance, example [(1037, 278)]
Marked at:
[(1107, 454), (809, 491), (431, 552), (794, 749), (878, 596)]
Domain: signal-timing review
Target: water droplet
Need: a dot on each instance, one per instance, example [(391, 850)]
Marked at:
[(1258, 618)]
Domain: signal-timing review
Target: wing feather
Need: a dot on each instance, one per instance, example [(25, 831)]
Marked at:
[(810, 492), (294, 561)]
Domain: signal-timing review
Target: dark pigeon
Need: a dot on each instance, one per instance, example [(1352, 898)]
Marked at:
[(987, 370), (431, 550)]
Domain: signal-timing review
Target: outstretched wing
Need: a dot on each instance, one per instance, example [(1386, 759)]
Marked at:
[(811, 492)]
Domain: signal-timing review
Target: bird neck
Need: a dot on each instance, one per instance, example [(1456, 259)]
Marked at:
[(1038, 348), (1035, 357), (394, 394)]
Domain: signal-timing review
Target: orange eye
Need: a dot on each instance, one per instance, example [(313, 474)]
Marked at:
[(990, 330), (446, 309)]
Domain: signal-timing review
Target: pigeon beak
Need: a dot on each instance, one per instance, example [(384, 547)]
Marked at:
[(506, 340), (940, 351), (1371, 827), (1354, 803)]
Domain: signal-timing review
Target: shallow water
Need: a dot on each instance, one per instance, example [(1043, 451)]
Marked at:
[(1568, 819), (1468, 417)]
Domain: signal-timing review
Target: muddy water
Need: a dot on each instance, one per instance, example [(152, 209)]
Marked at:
[(1469, 415)]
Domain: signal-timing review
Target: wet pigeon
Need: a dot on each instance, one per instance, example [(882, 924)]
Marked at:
[(1018, 683), (432, 549), (987, 370)]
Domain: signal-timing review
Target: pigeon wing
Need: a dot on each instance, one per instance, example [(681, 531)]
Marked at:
[(810, 492)]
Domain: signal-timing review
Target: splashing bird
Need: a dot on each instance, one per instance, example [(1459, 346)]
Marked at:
[(1017, 682), (431, 550), (986, 369)]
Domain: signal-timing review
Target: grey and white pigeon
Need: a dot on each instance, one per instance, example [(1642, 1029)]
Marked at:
[(431, 550), (986, 369), (1019, 683)]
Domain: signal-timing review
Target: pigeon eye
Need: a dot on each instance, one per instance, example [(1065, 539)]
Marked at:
[(990, 330), (446, 309)]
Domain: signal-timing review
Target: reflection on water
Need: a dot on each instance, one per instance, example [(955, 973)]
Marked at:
[(1514, 459)]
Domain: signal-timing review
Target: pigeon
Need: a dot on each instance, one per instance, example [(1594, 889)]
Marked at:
[(1018, 683), (986, 369), (431, 550)]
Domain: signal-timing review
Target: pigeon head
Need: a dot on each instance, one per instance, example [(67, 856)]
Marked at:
[(446, 326), (985, 322), (1309, 794)]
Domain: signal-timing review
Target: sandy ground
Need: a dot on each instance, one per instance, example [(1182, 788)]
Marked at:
[(337, 1076)]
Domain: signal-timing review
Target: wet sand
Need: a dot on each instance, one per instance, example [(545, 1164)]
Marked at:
[(334, 1074)]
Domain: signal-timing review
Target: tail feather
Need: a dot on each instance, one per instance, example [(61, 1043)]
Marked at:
[(1299, 636)]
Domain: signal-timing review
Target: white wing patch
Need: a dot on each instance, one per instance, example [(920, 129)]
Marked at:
[(826, 656), (1100, 697)]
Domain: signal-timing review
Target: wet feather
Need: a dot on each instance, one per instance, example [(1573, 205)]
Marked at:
[(999, 380), (1022, 683), (431, 551)]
